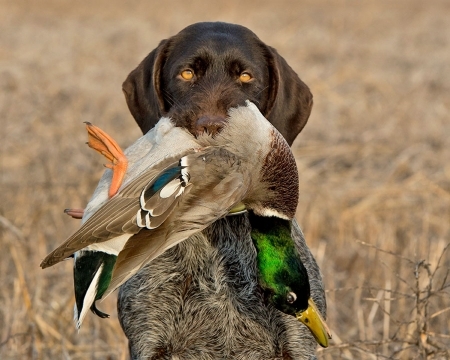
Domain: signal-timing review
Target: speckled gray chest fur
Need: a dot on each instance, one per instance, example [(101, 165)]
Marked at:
[(201, 300)]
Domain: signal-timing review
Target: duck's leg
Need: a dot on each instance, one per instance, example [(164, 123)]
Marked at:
[(105, 145), (75, 213)]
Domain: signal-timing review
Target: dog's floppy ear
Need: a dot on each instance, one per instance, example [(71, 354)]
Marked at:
[(290, 100), (142, 89)]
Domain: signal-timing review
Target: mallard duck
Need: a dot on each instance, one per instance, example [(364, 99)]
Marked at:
[(176, 197)]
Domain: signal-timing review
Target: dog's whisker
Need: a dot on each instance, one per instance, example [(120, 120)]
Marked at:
[(170, 99), (262, 89)]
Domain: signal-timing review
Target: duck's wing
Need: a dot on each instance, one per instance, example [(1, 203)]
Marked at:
[(192, 217), (145, 202)]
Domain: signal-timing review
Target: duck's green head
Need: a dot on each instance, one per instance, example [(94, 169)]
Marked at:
[(282, 274)]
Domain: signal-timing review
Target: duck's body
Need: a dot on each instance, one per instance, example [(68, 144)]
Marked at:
[(168, 196)]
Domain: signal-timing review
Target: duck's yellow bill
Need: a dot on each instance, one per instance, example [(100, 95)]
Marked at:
[(316, 324)]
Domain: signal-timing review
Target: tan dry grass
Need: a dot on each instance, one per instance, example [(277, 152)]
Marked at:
[(374, 159)]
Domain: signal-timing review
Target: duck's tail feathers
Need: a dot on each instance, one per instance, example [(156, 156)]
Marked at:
[(87, 301)]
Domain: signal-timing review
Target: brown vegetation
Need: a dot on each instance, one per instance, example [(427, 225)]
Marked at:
[(374, 159)]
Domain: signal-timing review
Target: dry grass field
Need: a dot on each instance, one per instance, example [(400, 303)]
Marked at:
[(374, 159)]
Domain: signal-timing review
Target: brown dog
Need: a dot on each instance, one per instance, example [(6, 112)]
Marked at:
[(200, 299), (198, 74)]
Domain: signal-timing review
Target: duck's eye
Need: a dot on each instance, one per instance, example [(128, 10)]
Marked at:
[(291, 297), (187, 74), (245, 77)]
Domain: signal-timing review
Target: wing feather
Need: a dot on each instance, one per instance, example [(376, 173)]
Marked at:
[(158, 205), (115, 217), (195, 216)]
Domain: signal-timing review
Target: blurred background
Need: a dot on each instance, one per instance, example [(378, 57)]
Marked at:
[(374, 159)]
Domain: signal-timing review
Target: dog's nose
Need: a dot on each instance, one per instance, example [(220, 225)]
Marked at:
[(212, 124)]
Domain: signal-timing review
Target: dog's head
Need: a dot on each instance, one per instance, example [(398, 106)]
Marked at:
[(197, 75)]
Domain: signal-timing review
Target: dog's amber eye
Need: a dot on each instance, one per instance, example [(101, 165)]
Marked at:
[(187, 74), (245, 77)]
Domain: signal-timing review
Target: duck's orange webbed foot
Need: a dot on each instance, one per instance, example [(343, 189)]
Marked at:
[(105, 145), (75, 213)]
